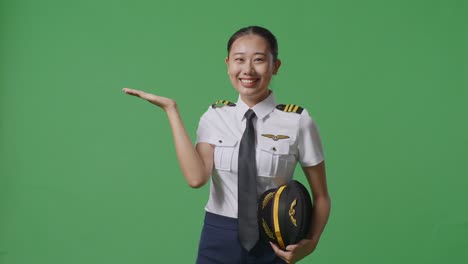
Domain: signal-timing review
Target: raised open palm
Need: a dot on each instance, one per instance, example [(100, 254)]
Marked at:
[(163, 102)]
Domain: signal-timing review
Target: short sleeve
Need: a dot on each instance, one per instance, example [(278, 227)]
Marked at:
[(204, 129), (309, 143)]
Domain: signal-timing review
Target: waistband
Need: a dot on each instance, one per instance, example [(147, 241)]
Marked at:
[(220, 221)]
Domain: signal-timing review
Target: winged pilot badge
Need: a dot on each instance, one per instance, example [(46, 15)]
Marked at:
[(275, 137)]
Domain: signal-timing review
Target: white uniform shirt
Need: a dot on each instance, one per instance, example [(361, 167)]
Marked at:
[(276, 159)]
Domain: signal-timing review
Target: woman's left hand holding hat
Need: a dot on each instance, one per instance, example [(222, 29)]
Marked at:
[(295, 252)]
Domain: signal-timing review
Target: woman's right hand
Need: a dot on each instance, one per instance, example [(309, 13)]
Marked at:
[(196, 163), (163, 102)]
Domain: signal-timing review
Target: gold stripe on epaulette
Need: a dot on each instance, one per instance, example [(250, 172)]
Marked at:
[(221, 103), (290, 108)]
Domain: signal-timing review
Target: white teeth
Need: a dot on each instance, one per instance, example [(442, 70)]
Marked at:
[(247, 81)]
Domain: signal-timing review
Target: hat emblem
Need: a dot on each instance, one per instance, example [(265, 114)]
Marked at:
[(292, 212)]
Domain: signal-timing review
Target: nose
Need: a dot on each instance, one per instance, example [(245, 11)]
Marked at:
[(248, 68)]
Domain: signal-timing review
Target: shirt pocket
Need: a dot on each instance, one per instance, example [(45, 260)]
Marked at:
[(275, 159), (224, 153)]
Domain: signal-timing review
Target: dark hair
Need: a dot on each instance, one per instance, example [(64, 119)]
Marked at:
[(256, 30)]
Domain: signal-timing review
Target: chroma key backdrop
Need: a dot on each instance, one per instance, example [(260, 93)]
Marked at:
[(89, 174)]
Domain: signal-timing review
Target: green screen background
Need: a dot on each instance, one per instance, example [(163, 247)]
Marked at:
[(89, 174)]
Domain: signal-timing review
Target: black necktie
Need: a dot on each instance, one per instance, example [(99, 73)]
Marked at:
[(247, 186)]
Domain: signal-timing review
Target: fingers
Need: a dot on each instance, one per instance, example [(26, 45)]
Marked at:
[(163, 102), (284, 255), (292, 248), (139, 93), (133, 92)]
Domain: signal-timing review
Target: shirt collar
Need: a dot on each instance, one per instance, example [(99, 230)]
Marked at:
[(261, 109)]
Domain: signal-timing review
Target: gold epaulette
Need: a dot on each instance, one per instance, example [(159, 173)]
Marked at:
[(290, 108), (221, 103)]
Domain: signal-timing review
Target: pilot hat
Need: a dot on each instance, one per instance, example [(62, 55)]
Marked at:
[(284, 214)]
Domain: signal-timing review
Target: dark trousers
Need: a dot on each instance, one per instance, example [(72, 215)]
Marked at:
[(219, 243)]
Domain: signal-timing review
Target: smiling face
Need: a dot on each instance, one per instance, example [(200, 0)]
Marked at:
[(250, 68)]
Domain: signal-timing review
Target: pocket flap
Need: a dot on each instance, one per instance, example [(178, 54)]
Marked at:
[(223, 142), (275, 147)]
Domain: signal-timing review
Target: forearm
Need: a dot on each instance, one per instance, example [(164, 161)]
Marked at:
[(320, 214), (191, 164)]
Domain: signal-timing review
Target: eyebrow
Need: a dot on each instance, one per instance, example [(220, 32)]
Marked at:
[(241, 53)]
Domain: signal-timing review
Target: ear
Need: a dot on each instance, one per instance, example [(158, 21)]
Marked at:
[(277, 66), (227, 63)]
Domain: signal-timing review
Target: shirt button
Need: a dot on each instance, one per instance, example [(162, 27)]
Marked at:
[(274, 149), (220, 141)]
